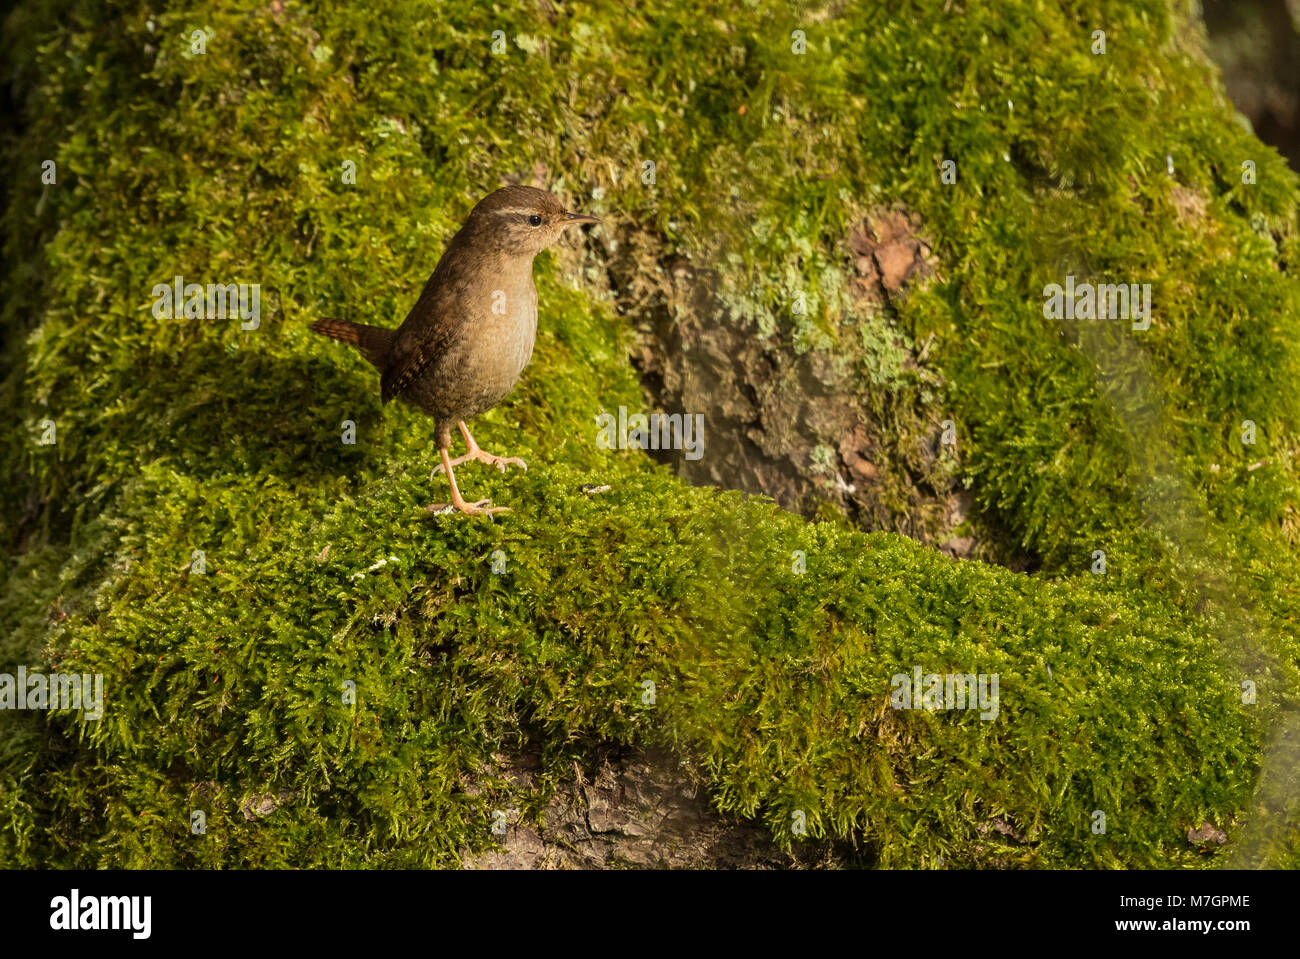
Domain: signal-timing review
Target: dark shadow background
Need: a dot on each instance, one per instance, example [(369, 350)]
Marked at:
[(1257, 45)]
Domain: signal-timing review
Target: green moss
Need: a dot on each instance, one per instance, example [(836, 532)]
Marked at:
[(1119, 693)]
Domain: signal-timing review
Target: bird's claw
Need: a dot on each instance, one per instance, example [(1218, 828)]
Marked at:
[(483, 507), (500, 462)]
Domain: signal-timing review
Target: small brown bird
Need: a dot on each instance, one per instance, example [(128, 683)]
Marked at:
[(460, 350)]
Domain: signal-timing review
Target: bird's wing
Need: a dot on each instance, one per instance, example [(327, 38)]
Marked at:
[(429, 329)]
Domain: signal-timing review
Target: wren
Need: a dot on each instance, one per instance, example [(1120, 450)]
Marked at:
[(461, 349)]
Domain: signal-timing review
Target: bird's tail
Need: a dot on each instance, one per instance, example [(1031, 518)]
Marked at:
[(374, 342)]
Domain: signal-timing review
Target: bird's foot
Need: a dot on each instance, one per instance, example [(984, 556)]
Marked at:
[(483, 507), (500, 462)]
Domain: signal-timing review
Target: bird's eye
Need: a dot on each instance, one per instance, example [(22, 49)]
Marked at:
[(535, 220)]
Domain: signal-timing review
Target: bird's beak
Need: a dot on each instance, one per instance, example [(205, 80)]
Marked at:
[(579, 218)]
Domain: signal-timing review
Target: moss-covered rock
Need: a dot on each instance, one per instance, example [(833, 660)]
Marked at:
[(200, 535)]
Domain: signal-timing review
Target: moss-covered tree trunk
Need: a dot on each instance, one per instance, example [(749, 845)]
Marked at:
[(830, 231)]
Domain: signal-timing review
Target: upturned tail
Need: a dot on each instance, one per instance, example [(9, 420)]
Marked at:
[(374, 342)]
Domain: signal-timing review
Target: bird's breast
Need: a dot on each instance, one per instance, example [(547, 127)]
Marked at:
[(522, 335), (489, 363)]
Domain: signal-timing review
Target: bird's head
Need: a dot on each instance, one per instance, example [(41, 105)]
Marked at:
[(523, 220)]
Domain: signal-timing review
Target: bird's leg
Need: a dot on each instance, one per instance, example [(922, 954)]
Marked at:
[(477, 453), (458, 501)]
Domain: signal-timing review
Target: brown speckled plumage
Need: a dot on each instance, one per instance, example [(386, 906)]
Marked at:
[(463, 346)]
